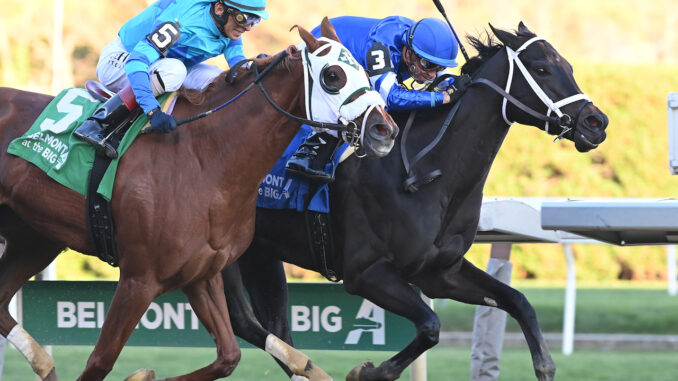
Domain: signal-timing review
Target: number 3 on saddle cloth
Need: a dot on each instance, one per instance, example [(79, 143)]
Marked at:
[(283, 190)]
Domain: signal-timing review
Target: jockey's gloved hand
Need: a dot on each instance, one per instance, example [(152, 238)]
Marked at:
[(458, 87), (161, 122)]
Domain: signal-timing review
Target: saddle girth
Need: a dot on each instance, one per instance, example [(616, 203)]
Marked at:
[(100, 221), (321, 244)]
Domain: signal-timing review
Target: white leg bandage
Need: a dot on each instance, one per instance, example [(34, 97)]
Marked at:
[(41, 362)]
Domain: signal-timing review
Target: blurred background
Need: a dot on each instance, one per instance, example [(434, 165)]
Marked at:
[(625, 57), (624, 53)]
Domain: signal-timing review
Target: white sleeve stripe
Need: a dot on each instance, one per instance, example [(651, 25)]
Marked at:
[(384, 86)]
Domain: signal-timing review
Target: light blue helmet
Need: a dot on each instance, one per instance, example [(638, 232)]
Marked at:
[(255, 7), (432, 39)]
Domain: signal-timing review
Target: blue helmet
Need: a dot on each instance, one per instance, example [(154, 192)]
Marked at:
[(432, 39), (255, 7)]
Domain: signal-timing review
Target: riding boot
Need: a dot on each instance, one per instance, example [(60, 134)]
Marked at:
[(115, 112), (312, 157)]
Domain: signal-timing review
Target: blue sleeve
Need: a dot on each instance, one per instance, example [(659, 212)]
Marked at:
[(234, 52), (136, 68), (401, 99)]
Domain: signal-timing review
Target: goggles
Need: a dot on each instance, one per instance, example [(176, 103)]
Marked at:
[(242, 18), (429, 66)]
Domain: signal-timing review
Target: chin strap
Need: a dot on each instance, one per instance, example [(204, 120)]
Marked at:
[(219, 21)]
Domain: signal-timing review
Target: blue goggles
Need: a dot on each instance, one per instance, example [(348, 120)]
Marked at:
[(242, 18)]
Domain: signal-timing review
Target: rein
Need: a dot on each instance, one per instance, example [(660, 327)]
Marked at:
[(348, 129)]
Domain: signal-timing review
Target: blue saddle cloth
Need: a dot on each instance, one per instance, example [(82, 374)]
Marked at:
[(282, 190)]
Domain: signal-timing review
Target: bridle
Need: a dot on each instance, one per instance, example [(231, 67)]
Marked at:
[(347, 128), (563, 120)]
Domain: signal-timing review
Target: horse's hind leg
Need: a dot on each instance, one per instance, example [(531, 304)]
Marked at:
[(474, 286), (26, 253), (246, 325), (243, 319)]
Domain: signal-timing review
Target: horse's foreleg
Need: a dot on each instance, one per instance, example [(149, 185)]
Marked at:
[(382, 285), (474, 286), (130, 301), (209, 304), (25, 255)]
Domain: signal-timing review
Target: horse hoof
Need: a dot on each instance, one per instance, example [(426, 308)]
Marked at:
[(142, 375), (314, 373), (51, 376), (354, 374)]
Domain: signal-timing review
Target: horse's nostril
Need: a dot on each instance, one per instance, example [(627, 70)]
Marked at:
[(594, 122), (380, 129)]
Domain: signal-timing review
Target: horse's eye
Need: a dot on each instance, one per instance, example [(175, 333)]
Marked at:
[(332, 76), (331, 79), (541, 70)]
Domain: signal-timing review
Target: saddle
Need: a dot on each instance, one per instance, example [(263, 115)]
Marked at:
[(98, 91)]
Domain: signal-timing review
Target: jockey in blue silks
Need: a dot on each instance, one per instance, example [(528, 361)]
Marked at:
[(392, 50), (161, 49)]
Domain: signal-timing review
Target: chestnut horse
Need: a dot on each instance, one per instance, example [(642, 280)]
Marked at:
[(184, 202), (388, 237)]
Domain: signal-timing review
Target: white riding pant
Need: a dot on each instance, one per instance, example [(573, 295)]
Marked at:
[(167, 74)]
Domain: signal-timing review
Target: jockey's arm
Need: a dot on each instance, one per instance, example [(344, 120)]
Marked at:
[(234, 52), (399, 98), (136, 68)]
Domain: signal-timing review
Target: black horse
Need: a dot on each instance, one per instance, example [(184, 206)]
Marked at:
[(388, 237)]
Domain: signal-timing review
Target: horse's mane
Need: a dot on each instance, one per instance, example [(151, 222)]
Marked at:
[(486, 49), (198, 97)]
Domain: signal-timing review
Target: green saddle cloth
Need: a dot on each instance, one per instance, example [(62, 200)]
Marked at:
[(50, 144)]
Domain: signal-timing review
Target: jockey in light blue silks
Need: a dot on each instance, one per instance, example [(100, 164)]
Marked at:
[(392, 50), (162, 48)]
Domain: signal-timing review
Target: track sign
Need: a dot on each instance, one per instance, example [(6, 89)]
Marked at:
[(322, 316)]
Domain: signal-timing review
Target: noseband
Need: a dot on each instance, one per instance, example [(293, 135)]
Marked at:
[(565, 121)]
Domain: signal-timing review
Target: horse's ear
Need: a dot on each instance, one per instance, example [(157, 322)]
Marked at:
[(327, 30), (506, 38), (312, 43), (522, 29)]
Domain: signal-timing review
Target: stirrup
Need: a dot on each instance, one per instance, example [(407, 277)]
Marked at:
[(300, 170), (90, 134)]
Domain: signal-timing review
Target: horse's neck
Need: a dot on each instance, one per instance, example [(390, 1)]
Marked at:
[(248, 136), (470, 145)]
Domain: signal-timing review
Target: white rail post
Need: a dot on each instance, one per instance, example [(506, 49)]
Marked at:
[(570, 300), (671, 269), (418, 367), (489, 323)]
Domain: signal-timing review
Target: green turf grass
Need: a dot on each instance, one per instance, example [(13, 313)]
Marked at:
[(444, 363)]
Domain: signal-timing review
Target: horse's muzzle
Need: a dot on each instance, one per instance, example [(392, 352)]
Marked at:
[(590, 131), (379, 138)]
